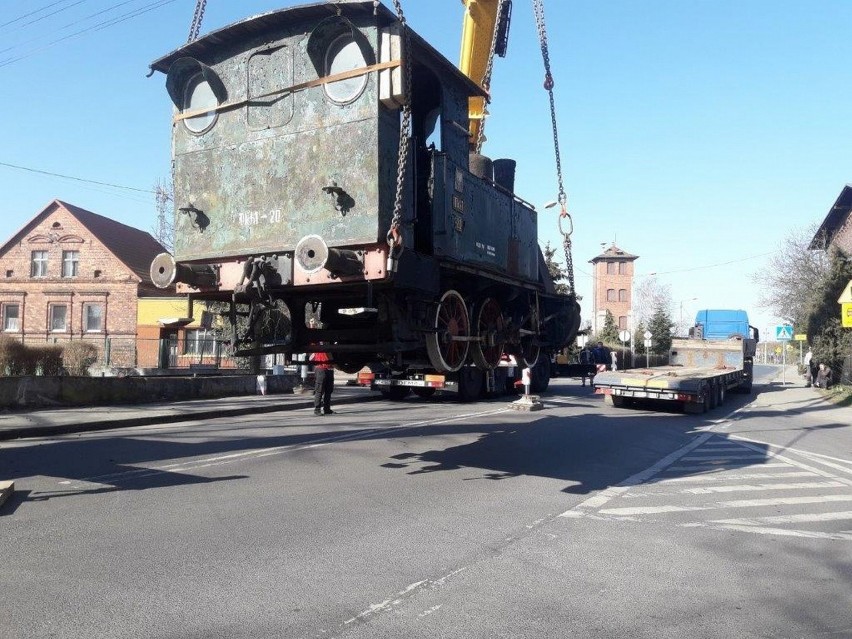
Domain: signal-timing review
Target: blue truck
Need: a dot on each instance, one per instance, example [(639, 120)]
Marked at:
[(716, 358)]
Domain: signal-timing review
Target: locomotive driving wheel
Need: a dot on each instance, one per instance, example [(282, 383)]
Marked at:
[(448, 343), (490, 329), (530, 348)]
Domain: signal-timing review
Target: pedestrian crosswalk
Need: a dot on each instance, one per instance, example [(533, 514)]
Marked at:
[(727, 484)]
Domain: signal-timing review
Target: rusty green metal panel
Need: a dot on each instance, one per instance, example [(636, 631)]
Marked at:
[(258, 174)]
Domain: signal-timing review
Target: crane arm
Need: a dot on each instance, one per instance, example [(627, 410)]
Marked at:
[(482, 20)]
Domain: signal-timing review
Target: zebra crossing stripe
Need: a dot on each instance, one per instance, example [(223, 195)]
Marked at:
[(788, 519), (737, 503)]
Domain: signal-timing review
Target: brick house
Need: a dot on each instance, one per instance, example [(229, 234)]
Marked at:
[(836, 228), (612, 287), (70, 274)]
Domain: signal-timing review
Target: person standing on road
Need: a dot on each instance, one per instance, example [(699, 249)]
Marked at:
[(810, 369), (587, 368), (602, 357), (323, 379)]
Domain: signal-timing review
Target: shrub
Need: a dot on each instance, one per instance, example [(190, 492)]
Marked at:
[(47, 359), (78, 356), (11, 353)]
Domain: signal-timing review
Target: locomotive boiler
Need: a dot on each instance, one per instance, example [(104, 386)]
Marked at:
[(295, 199)]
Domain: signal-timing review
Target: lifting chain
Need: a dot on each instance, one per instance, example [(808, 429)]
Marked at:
[(198, 16), (538, 6), (486, 80), (394, 236)]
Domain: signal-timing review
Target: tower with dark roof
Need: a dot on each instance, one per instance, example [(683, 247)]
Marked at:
[(612, 287)]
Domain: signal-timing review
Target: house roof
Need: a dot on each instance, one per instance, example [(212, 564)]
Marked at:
[(834, 220), (614, 253), (134, 248)]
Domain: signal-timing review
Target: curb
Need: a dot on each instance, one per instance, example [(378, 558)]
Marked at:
[(6, 490), (64, 429)]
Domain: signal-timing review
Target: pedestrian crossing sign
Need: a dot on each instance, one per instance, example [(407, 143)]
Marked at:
[(784, 332)]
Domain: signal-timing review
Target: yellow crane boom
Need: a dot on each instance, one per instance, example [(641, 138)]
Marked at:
[(482, 19)]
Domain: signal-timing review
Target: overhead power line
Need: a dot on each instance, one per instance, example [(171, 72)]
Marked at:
[(96, 27), (77, 179)]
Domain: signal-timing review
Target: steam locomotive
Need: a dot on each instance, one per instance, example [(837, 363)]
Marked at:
[(295, 213)]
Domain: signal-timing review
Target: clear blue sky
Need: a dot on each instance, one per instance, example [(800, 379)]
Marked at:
[(696, 134)]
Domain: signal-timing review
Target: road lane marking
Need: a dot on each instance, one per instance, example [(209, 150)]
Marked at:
[(716, 458), (788, 519), (737, 503), (705, 467), (779, 532), (642, 477), (722, 474), (707, 490)]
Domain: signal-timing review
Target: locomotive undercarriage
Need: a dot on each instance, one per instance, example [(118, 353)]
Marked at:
[(464, 321)]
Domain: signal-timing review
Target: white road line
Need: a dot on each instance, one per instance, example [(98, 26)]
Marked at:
[(639, 478), (738, 503), (780, 532), (788, 519), (708, 490), (705, 467), (825, 460), (717, 457), (799, 464), (725, 475)]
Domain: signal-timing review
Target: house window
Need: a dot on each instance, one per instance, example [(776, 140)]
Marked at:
[(622, 322), (610, 268), (622, 295), (199, 341), (38, 265), (93, 318), (610, 295), (622, 268), (11, 318), (58, 318), (10, 273), (70, 263)]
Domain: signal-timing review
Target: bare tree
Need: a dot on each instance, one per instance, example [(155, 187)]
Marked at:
[(790, 281), (648, 296)]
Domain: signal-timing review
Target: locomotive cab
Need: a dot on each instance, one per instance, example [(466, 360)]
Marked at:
[(288, 185)]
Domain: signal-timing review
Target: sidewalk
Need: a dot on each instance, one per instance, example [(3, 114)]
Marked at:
[(38, 423)]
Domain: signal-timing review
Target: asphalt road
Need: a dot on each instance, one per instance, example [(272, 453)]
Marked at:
[(436, 519)]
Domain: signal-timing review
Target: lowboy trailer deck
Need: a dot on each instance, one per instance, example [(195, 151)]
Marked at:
[(700, 374)]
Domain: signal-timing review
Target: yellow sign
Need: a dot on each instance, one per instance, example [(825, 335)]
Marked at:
[(800, 337), (846, 314), (846, 297)]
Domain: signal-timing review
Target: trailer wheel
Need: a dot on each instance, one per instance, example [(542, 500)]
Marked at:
[(424, 392), (723, 393), (446, 344), (711, 396)]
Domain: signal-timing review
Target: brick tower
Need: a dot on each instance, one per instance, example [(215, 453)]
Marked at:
[(612, 287)]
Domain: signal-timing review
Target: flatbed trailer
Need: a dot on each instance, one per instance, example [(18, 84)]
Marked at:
[(700, 375)]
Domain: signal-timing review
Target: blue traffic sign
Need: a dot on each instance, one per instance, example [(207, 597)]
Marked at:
[(784, 332)]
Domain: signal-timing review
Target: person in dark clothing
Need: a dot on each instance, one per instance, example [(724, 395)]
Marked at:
[(823, 378), (323, 380), (603, 359)]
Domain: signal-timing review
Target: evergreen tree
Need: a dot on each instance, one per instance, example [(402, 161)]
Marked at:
[(831, 342), (557, 272), (660, 326), (639, 339), (609, 333)]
